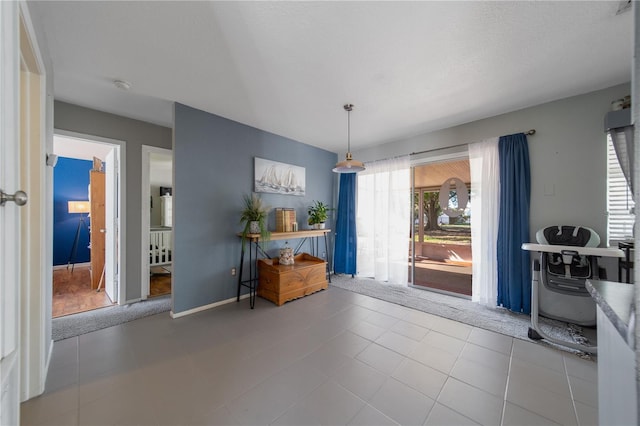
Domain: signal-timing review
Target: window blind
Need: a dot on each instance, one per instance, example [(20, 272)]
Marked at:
[(619, 199)]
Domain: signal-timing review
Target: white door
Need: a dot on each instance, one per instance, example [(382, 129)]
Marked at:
[(9, 216), (111, 225)]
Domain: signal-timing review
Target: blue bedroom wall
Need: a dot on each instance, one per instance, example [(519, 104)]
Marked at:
[(213, 166), (70, 183)]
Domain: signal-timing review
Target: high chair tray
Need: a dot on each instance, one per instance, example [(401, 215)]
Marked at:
[(586, 251)]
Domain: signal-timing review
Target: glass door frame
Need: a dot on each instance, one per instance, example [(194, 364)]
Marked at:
[(430, 157)]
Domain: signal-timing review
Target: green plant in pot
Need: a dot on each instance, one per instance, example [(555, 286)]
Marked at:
[(318, 214), (254, 218)]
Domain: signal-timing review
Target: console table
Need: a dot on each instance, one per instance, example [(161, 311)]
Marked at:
[(255, 250)]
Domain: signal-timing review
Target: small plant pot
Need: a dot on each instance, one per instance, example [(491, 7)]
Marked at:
[(318, 225), (254, 227)]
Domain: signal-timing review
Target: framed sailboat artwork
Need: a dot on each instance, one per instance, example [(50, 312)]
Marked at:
[(278, 178)]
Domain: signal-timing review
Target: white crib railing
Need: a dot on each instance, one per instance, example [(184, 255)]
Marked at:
[(159, 247)]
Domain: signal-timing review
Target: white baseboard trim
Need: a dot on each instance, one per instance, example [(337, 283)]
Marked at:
[(46, 366), (205, 307), (77, 265)]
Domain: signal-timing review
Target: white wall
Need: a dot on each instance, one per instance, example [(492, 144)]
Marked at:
[(567, 154)]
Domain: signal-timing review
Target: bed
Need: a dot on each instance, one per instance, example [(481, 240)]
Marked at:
[(160, 246)]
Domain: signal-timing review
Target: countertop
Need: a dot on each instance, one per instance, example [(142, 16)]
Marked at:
[(617, 302)]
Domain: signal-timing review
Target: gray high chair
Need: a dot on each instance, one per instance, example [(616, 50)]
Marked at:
[(568, 257)]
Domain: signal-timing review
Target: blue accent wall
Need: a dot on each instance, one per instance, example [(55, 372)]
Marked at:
[(213, 166), (70, 183)]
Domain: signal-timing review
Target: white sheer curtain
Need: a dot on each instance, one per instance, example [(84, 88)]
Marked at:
[(383, 217), (484, 163)]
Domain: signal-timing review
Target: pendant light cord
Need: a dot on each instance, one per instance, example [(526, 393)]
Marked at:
[(349, 165), (349, 131)]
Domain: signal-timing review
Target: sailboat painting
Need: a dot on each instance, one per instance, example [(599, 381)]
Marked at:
[(278, 178)]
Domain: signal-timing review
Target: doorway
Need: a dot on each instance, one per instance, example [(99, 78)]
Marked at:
[(87, 220), (157, 221), (440, 253)]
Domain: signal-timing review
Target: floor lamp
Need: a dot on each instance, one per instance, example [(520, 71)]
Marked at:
[(80, 207)]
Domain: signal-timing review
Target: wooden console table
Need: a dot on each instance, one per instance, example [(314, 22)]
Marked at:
[(254, 242)]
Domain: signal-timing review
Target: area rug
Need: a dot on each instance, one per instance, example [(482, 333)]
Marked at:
[(86, 322), (499, 320)]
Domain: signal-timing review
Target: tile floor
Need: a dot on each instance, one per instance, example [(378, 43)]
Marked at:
[(331, 358)]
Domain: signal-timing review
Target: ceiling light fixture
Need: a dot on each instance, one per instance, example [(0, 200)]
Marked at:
[(349, 165), (122, 85)]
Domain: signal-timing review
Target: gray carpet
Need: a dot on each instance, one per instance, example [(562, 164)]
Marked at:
[(86, 322), (499, 320)]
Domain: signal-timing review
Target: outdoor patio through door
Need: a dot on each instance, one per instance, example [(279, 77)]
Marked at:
[(440, 253)]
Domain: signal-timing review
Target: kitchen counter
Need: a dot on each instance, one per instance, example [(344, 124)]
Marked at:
[(617, 401)]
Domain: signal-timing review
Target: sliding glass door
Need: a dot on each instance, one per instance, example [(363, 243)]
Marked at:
[(440, 253)]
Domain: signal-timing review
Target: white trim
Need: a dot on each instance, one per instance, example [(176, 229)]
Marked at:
[(34, 320), (122, 210), (48, 362), (206, 307), (145, 221), (28, 24)]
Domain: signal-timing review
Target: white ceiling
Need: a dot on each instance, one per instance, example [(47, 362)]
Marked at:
[(288, 67)]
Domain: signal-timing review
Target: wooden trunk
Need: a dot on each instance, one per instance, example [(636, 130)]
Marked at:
[(281, 283)]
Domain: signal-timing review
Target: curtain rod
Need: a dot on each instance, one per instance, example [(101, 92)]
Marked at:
[(530, 132)]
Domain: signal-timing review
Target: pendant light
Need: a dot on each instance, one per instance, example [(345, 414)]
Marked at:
[(349, 165)]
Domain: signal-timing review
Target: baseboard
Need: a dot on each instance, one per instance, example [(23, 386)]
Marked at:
[(46, 365), (206, 307), (77, 265)]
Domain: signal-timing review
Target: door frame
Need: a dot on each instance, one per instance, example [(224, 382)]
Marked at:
[(453, 154), (121, 257), (36, 216), (111, 273), (145, 212)]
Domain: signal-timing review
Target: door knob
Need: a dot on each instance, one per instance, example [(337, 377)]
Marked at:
[(20, 198)]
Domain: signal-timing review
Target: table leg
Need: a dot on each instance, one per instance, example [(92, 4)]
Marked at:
[(252, 277), (326, 250), (240, 272)]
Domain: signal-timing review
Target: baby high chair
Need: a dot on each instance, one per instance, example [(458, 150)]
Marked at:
[(568, 257)]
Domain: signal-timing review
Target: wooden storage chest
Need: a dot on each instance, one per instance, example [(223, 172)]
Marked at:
[(281, 283)]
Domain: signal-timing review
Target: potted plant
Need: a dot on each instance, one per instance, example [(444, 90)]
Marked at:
[(254, 218), (318, 214)]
